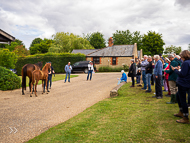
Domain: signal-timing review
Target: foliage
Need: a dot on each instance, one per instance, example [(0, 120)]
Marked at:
[(36, 41), (58, 60), (172, 49), (96, 39), (112, 69), (7, 59), (21, 51), (132, 117), (14, 44), (42, 47), (152, 43), (8, 80), (127, 38), (66, 42)]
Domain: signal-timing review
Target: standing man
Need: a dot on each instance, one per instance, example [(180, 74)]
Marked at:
[(68, 69), (172, 79), (143, 66), (90, 70), (49, 77), (158, 77), (149, 73)]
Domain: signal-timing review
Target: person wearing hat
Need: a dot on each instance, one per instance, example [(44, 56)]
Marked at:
[(138, 76), (90, 70), (123, 78)]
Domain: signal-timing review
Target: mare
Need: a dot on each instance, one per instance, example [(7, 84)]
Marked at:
[(27, 71), (40, 75)]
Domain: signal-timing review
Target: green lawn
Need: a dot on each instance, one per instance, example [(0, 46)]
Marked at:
[(56, 78), (133, 116)]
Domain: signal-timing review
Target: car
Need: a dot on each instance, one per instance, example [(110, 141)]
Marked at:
[(81, 66), (13, 70)]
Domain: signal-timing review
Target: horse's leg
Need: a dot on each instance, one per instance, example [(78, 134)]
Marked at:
[(30, 84), (31, 89), (42, 86), (35, 87)]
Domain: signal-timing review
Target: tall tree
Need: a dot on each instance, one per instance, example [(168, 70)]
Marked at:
[(41, 47), (172, 49), (14, 44), (152, 43), (96, 39), (137, 38), (122, 37), (189, 47), (66, 42), (36, 41)]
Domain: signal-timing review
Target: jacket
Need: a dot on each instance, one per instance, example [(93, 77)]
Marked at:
[(166, 74), (67, 70), (172, 74), (124, 77), (143, 65), (149, 68), (183, 78), (158, 68), (132, 70)]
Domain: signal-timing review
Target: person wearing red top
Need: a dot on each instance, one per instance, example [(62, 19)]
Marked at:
[(167, 76)]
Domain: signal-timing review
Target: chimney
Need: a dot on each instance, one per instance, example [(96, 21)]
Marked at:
[(110, 42)]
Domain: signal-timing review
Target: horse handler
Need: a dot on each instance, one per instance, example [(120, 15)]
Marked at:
[(90, 70), (68, 69), (49, 77)]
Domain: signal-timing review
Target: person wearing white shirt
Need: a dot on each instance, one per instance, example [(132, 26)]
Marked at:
[(90, 70)]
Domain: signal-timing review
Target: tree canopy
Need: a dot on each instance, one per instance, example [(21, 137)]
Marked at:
[(172, 49), (152, 43), (66, 42), (40, 46), (127, 38), (96, 39)]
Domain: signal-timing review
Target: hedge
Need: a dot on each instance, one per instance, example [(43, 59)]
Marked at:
[(113, 69), (58, 60), (8, 80)]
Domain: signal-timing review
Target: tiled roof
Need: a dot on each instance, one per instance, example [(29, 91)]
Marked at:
[(84, 51), (115, 51)]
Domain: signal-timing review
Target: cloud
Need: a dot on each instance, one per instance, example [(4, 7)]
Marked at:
[(27, 19)]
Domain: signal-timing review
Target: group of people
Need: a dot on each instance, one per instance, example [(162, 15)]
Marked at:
[(172, 72)]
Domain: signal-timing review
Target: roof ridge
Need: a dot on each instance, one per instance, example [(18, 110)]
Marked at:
[(96, 51)]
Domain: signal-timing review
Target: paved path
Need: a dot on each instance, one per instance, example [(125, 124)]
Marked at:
[(24, 117)]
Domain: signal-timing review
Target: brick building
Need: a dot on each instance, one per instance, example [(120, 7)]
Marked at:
[(115, 55)]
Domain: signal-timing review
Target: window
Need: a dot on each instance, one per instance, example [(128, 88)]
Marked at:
[(96, 60), (113, 60)]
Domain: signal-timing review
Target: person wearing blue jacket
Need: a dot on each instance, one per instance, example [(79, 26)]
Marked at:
[(68, 69), (158, 77), (183, 83), (123, 78)]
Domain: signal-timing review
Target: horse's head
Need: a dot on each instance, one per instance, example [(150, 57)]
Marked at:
[(46, 67)]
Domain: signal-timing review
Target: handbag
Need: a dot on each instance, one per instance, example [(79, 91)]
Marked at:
[(130, 74)]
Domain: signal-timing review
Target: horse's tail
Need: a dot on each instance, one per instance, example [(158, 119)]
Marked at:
[(24, 73)]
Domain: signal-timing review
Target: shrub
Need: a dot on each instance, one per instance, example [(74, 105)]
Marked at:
[(58, 60), (7, 59), (110, 69), (8, 80)]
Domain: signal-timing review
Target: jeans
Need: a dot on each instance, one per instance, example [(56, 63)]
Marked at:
[(89, 72), (67, 74), (49, 80), (138, 78), (120, 81), (144, 78), (158, 86), (133, 80), (148, 78), (181, 99)]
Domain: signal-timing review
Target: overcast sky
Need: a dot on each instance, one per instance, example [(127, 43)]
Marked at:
[(29, 19)]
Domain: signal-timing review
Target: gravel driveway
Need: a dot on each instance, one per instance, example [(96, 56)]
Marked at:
[(24, 117)]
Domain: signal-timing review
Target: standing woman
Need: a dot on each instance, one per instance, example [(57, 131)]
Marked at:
[(90, 70), (132, 72), (183, 83), (166, 75)]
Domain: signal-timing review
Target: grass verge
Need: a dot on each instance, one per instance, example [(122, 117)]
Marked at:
[(133, 116), (54, 78)]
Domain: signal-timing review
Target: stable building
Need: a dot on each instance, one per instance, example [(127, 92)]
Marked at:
[(6, 38), (113, 56)]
